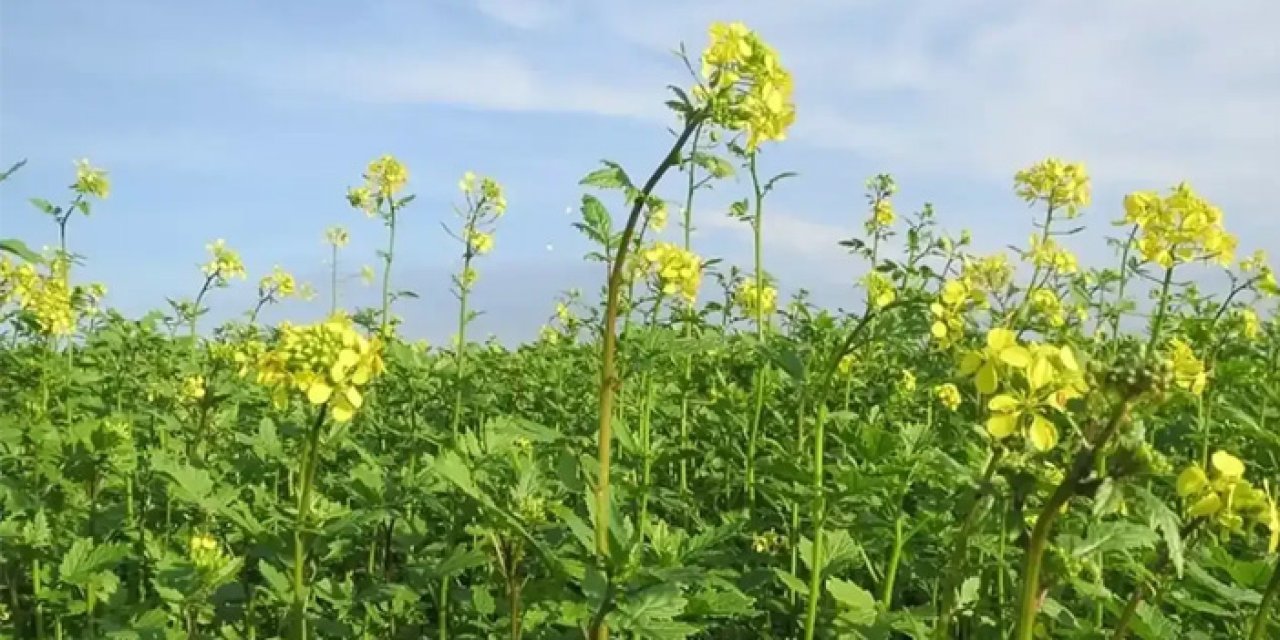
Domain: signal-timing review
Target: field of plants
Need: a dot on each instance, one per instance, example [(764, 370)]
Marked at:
[(1009, 445)]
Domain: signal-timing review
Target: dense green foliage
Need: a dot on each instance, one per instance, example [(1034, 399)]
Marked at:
[(990, 447)]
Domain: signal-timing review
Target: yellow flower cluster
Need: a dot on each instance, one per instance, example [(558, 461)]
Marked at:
[(846, 365), (191, 391), (337, 237), (949, 395), (1180, 227), (677, 271), (756, 298), (386, 176), (1035, 381), (224, 263), (1188, 370), (1225, 497), (948, 310), (1060, 185), (986, 275), (882, 216), (879, 289), (278, 283), (486, 193), (1250, 325), (1046, 253), (47, 297), (1046, 303), (657, 215), (747, 87), (383, 179), (768, 542), (906, 381), (479, 242), (1266, 278), (91, 181), (205, 552), (327, 362)]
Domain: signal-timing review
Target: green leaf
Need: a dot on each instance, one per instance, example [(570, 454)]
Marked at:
[(611, 176), (651, 613), (482, 600), (278, 583), (451, 467), (83, 560), (795, 584), (856, 604), (19, 248)]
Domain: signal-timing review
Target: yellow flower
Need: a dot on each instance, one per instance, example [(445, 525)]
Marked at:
[(48, 298), (479, 242), (1046, 253), (386, 176), (362, 198), (880, 289), (204, 551), (192, 389), (224, 263), (676, 271), (1250, 325), (1002, 350), (748, 89), (1188, 370), (949, 395), (907, 381), (278, 283), (1178, 228), (657, 215), (326, 362), (1265, 280), (846, 364), (367, 274), (1058, 184), (337, 237), (756, 299), (1049, 306), (91, 181)]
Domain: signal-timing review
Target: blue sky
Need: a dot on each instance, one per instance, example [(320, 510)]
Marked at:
[(248, 120)]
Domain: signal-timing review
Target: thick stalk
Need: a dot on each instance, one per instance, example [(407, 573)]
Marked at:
[(609, 381), (688, 325), (300, 587), (461, 350), (895, 557), (1158, 323), (1258, 629), (1029, 603), (818, 515)]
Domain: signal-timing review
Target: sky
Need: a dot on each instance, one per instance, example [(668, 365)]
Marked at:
[(247, 121)]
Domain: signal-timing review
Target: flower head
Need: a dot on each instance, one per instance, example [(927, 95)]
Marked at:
[(224, 264), (756, 299), (327, 363), (676, 271), (91, 181), (337, 237), (1058, 184), (747, 88), (949, 395)]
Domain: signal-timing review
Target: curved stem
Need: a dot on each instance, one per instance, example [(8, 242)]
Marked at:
[(1029, 602), (609, 381), (1258, 629)]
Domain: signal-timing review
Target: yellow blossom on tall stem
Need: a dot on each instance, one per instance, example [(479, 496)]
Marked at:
[(676, 271)]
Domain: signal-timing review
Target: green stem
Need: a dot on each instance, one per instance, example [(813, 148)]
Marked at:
[(1158, 323), (310, 460), (1029, 603), (1260, 619), (386, 267), (688, 325), (464, 290), (609, 380), (818, 515), (333, 282), (895, 557), (1124, 280)]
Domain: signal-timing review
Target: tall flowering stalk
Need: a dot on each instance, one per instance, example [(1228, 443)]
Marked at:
[(485, 204), (377, 198), (328, 364), (337, 238), (223, 265)]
